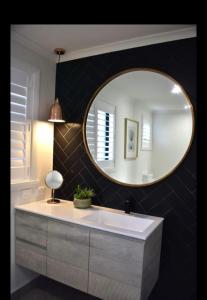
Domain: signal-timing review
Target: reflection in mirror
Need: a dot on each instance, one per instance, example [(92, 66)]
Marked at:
[(138, 127), (54, 181)]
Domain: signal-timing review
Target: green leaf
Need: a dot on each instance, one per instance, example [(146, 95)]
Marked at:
[(83, 193)]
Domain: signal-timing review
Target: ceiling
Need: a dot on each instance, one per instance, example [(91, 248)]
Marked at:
[(150, 88), (85, 40)]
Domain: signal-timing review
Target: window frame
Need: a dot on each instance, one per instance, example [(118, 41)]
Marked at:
[(145, 119)]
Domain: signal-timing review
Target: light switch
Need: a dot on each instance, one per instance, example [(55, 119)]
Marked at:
[(41, 192), (26, 195)]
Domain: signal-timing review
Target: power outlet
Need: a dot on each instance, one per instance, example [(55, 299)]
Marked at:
[(41, 192), (26, 195)]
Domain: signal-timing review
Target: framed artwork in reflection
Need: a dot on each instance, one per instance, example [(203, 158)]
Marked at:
[(131, 128)]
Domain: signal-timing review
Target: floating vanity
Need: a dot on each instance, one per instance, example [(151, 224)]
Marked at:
[(103, 252)]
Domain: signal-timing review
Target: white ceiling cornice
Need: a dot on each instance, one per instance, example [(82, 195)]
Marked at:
[(132, 43), (19, 38), (111, 47)]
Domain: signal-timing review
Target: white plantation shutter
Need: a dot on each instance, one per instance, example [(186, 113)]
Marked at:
[(146, 143), (105, 136), (91, 131), (20, 126), (100, 130)]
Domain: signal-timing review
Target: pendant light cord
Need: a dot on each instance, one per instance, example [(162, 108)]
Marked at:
[(59, 51)]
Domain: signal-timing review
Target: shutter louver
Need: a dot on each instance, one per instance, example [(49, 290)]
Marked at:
[(19, 126), (146, 133)]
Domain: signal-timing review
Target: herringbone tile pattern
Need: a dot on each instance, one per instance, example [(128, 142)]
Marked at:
[(174, 198)]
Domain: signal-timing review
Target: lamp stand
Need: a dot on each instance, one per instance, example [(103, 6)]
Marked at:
[(53, 200)]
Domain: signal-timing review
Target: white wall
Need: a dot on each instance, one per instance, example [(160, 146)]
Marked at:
[(47, 75), (34, 190), (129, 171), (42, 151), (171, 136)]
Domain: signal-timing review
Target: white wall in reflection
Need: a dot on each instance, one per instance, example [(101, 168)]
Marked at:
[(171, 136)]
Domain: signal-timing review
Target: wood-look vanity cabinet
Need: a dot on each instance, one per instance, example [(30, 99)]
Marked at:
[(104, 264)]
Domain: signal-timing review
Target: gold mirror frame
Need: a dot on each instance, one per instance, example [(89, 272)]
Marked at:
[(86, 115)]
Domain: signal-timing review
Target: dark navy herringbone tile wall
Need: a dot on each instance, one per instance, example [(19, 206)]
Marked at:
[(174, 198)]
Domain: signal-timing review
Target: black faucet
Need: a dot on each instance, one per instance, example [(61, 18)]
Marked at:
[(127, 206)]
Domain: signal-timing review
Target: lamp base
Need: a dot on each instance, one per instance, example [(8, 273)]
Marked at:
[(53, 201)]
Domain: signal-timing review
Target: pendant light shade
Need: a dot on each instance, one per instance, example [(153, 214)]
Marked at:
[(56, 112)]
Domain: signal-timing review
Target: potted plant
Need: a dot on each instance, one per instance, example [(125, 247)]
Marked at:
[(82, 197)]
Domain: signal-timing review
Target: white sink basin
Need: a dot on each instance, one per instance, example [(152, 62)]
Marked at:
[(122, 221)]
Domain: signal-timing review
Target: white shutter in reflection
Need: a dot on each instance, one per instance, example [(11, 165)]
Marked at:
[(90, 131), (20, 128), (146, 137), (100, 131), (105, 136)]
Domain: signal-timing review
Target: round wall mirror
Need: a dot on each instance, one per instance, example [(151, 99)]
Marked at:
[(138, 127), (53, 180)]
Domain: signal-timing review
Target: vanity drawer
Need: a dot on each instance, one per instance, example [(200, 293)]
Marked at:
[(31, 228), (68, 254), (117, 246), (30, 256), (68, 232), (31, 241), (67, 274), (109, 289), (116, 257), (68, 243)]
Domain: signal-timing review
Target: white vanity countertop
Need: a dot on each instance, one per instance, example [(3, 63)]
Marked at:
[(65, 211)]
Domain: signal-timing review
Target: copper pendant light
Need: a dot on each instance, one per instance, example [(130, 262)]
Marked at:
[(56, 111)]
